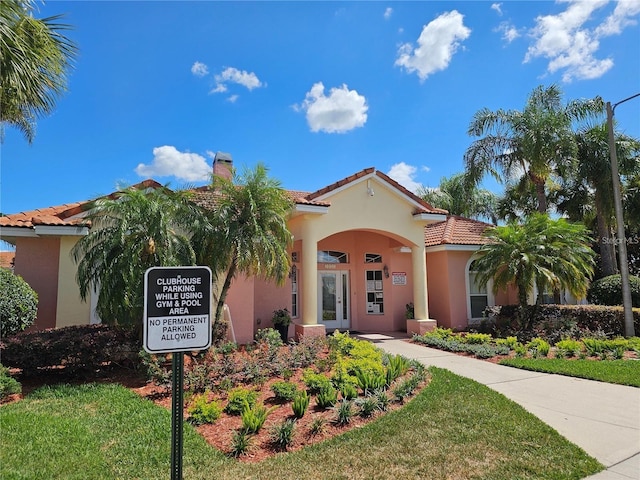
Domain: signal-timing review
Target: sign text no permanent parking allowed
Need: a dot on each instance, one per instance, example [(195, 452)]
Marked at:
[(177, 313)]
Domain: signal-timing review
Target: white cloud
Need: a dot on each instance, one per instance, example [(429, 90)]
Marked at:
[(405, 175), (340, 111), (509, 32), (497, 7), (232, 75), (199, 69), (232, 98), (219, 88), (570, 46), (437, 43), (387, 13), (169, 162)]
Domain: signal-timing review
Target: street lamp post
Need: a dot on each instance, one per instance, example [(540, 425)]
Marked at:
[(629, 330)]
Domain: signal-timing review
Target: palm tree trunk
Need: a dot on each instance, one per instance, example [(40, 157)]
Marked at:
[(607, 252), (219, 326), (541, 195)]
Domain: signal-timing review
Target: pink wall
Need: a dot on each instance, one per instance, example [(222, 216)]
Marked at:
[(37, 262), (438, 288)]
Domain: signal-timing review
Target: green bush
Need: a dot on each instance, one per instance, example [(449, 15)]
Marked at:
[(476, 338), (18, 304), (300, 404), (327, 397), (569, 348), (538, 346), (201, 410), (284, 391), (282, 435), (269, 336), (8, 384), (315, 382), (238, 398), (84, 348), (254, 416), (608, 291)]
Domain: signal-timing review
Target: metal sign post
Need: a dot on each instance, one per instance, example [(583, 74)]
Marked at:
[(177, 319)]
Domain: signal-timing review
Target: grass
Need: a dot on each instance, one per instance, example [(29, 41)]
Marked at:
[(622, 372), (455, 428)]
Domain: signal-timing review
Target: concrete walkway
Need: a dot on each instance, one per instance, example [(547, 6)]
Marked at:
[(601, 418)]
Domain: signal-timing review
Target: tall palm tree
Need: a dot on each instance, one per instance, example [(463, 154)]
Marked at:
[(35, 58), (541, 252), (590, 185), (536, 143), (458, 197), (247, 233), (131, 231)]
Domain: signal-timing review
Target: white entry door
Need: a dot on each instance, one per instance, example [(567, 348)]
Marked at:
[(333, 299)]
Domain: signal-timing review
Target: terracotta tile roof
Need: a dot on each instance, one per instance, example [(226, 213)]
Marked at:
[(206, 197), (455, 231), (61, 214), (6, 259)]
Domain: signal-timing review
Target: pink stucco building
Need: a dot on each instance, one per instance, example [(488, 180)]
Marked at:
[(364, 247)]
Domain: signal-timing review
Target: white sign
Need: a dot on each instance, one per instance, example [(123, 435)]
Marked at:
[(177, 309), (398, 278)]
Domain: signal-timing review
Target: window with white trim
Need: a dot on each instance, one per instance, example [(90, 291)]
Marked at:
[(294, 291), (478, 294)]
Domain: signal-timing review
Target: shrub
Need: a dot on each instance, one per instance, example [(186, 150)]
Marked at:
[(538, 346), (317, 426), (284, 391), (397, 365), (85, 348), (18, 304), (568, 347), (270, 337), (344, 412), (315, 382), (382, 399), (476, 338), (202, 411), (368, 381), (348, 391), (367, 406), (300, 404), (327, 397), (282, 435), (8, 384), (253, 417), (608, 290), (238, 398), (240, 443)]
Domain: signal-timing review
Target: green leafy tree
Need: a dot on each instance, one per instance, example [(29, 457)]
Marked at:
[(536, 143), (131, 231), (247, 233), (18, 303), (459, 197), (540, 251), (35, 58), (587, 195)]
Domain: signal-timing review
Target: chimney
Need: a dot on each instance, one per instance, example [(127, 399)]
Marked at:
[(223, 165)]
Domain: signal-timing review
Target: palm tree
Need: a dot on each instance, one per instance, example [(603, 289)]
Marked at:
[(590, 185), (247, 233), (35, 58), (541, 252), (131, 231), (459, 197), (536, 143)]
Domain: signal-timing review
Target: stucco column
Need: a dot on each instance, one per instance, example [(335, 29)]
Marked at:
[(420, 303), (309, 279)]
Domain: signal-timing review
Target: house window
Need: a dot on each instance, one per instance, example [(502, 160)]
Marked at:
[(330, 256), (294, 291), (375, 295), (478, 294), (372, 258)]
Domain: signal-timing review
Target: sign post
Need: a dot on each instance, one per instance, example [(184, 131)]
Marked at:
[(177, 319)]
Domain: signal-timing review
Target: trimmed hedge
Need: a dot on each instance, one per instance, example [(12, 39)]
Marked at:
[(85, 348), (18, 303), (608, 291), (608, 319)]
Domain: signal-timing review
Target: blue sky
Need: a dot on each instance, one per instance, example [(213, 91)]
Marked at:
[(315, 90)]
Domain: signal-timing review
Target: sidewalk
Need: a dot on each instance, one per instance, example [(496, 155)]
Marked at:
[(601, 418)]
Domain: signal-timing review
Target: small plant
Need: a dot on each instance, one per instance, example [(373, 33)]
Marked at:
[(476, 338), (327, 397), (317, 426), (409, 311), (510, 342), (282, 435), (520, 349), (593, 346), (344, 412), (227, 348), (237, 399), (568, 347), (348, 391), (269, 336), (281, 318), (300, 404), (538, 346), (201, 410), (286, 373), (382, 399), (397, 365), (369, 381), (284, 391), (8, 384), (253, 417), (240, 443), (315, 381), (367, 405)]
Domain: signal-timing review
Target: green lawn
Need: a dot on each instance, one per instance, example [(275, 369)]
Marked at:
[(623, 372), (455, 428)]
